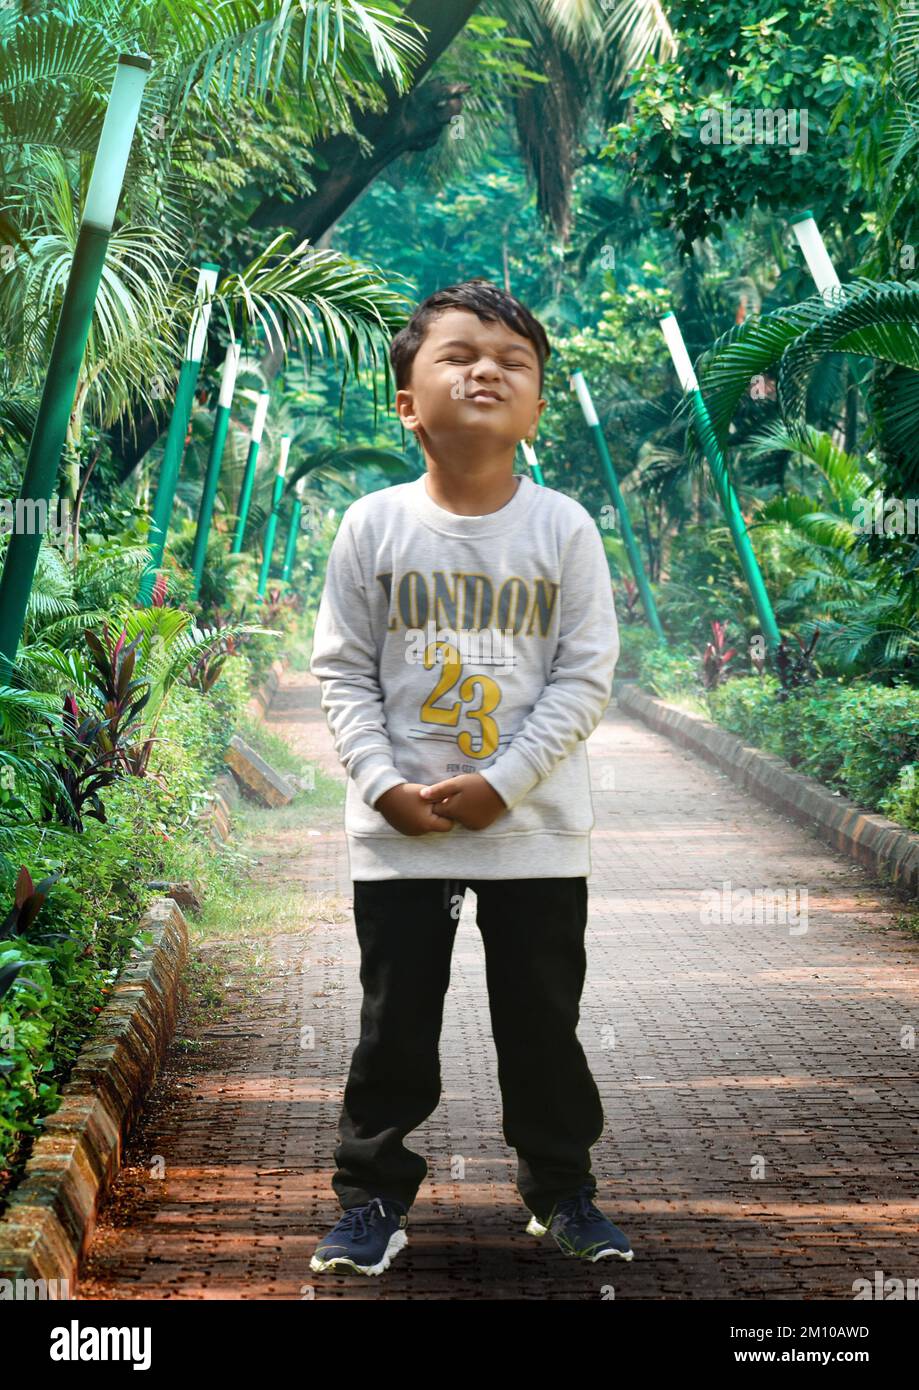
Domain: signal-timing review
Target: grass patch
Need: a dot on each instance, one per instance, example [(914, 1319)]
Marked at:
[(274, 749), (241, 907), (320, 805), (691, 704), (909, 922), (244, 903), (320, 799)]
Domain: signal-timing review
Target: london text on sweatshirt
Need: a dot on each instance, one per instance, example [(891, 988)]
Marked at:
[(447, 644)]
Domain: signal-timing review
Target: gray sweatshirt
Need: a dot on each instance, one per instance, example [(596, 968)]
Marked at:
[(447, 644)]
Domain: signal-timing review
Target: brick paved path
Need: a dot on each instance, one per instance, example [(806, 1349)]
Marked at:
[(720, 1049)]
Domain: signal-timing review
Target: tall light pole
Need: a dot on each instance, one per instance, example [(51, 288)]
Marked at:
[(529, 453), (248, 483), (813, 248), (178, 426), (272, 526), (592, 420), (53, 418), (807, 234), (738, 527), (291, 547), (215, 458)]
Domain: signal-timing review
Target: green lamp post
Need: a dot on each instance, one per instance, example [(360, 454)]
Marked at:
[(579, 385), (808, 237), (272, 526), (738, 527), (215, 458), (53, 418), (813, 248), (248, 483), (178, 427), (529, 453), (291, 548)]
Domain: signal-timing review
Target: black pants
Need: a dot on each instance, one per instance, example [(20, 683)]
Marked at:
[(535, 959)]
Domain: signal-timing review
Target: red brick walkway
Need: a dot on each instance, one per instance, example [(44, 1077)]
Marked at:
[(761, 1136)]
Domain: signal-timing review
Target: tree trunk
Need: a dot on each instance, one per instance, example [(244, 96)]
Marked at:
[(415, 123)]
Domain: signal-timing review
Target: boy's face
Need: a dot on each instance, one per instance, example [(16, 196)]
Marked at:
[(475, 379)]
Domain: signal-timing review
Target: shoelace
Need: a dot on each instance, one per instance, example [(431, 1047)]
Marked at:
[(355, 1221), (580, 1205)]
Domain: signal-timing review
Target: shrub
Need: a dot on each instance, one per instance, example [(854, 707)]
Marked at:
[(635, 642)]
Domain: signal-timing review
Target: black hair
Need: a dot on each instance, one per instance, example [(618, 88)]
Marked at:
[(484, 299)]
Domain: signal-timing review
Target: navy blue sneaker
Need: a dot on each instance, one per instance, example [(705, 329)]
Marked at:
[(366, 1238), (581, 1229)]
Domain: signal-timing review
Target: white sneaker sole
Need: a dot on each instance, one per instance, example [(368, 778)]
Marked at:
[(536, 1228), (397, 1241)]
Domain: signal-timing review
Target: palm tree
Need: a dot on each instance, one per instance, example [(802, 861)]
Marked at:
[(56, 70), (54, 77), (833, 581)]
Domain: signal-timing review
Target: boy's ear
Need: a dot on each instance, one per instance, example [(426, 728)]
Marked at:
[(405, 409), (540, 407)]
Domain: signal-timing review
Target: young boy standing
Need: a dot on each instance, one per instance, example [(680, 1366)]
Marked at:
[(465, 645)]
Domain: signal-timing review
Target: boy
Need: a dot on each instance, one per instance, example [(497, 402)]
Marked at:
[(465, 645)]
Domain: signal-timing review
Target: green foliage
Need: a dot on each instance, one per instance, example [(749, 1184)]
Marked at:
[(819, 57), (150, 832), (901, 801), (636, 643), (669, 671), (861, 738)]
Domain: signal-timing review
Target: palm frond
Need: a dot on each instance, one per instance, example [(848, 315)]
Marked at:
[(246, 48)]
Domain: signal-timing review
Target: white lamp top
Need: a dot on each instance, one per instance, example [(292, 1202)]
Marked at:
[(579, 385), (258, 421), (681, 359), (228, 376), (201, 315), (107, 178), (815, 253)]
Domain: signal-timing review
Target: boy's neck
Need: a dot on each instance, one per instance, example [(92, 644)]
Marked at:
[(471, 490)]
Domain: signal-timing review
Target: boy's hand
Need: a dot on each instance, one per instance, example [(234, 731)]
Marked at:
[(405, 810), (469, 799)]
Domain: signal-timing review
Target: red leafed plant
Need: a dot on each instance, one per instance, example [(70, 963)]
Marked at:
[(123, 696), (629, 611), (28, 900), (716, 659), (84, 768)]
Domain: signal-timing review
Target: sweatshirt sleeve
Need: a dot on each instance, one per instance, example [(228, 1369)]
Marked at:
[(581, 680), (345, 661)]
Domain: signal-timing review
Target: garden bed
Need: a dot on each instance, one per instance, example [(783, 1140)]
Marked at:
[(48, 1218)]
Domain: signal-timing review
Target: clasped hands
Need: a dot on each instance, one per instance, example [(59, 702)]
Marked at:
[(416, 809)]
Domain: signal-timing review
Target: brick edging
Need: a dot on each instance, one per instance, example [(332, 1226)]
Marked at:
[(260, 702), (51, 1214), (887, 849)]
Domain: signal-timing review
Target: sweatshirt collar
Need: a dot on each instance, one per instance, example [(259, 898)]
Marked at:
[(451, 524)]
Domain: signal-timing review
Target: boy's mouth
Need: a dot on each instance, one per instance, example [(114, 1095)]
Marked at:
[(483, 396)]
